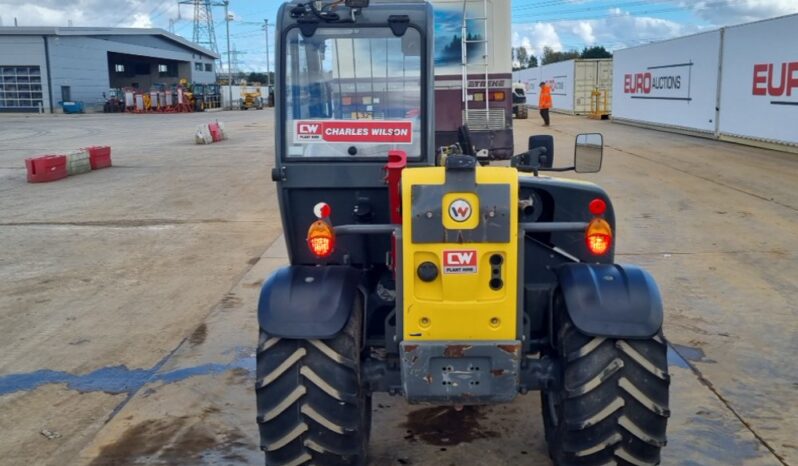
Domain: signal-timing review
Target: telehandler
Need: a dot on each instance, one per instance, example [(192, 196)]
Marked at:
[(458, 284)]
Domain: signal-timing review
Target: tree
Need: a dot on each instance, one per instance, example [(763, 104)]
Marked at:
[(550, 56), (524, 58), (259, 77), (595, 52)]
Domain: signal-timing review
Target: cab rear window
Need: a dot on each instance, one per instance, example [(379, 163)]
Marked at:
[(353, 92)]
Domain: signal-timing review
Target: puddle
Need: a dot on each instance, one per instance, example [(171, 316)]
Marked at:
[(691, 353), (444, 426), (175, 441), (115, 379), (675, 359)]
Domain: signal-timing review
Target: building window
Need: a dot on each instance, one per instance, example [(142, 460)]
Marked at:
[(66, 94), (197, 66), (167, 71), (119, 68), (209, 67)]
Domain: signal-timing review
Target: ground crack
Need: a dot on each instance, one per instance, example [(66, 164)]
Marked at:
[(728, 405), (705, 178)]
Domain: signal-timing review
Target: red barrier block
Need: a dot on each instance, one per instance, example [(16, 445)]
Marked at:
[(46, 168), (99, 156), (216, 132)]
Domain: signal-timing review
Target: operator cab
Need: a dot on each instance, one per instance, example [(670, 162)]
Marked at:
[(353, 84)]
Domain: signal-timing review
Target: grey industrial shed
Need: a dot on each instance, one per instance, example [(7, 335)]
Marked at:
[(42, 66)]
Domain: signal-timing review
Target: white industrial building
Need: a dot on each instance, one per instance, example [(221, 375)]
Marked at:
[(42, 66)]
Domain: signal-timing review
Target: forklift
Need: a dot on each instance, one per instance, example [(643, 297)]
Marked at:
[(433, 278)]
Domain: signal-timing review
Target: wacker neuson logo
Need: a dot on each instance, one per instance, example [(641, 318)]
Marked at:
[(460, 210), (662, 82)]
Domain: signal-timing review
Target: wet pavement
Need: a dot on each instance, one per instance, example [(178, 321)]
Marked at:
[(145, 362)]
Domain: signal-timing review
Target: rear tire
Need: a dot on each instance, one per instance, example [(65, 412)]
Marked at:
[(613, 407), (312, 407)]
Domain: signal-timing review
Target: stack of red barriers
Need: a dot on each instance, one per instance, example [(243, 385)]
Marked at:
[(46, 168)]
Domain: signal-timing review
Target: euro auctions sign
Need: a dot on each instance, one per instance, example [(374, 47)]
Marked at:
[(660, 82), (777, 80), (354, 131)]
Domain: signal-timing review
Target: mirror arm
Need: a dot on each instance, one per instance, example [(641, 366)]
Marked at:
[(558, 169)]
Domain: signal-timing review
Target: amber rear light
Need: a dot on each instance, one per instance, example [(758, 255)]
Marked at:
[(598, 236), (497, 96), (321, 239)]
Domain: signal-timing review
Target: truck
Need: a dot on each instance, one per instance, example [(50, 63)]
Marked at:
[(473, 74)]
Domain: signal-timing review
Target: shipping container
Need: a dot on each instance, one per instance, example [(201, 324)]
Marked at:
[(759, 83), (672, 83), (592, 75), (572, 83)]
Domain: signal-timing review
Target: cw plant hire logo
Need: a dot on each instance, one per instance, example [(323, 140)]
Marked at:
[(460, 210)]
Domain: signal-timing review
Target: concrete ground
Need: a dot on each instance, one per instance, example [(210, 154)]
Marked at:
[(127, 297)]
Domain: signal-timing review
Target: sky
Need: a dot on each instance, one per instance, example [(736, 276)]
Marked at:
[(559, 24)]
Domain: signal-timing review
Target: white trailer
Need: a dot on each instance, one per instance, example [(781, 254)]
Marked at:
[(670, 84), (759, 83), (572, 83)]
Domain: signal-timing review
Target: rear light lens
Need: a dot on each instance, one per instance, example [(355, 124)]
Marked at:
[(598, 236), (321, 239), (479, 97), (497, 96), (597, 206)]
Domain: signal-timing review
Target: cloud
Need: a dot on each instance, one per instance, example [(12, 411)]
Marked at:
[(535, 36), (102, 13), (141, 20), (617, 28), (728, 12), (584, 30), (622, 29)]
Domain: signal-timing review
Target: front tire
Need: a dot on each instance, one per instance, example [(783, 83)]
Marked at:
[(613, 405), (312, 407)]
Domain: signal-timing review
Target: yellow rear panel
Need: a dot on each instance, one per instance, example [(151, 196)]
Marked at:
[(461, 303)]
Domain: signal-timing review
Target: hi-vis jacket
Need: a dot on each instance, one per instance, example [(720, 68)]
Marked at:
[(545, 97)]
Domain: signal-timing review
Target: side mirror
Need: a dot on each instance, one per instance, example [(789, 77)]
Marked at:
[(588, 153)]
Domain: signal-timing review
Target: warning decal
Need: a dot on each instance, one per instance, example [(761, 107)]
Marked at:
[(354, 131), (460, 261)]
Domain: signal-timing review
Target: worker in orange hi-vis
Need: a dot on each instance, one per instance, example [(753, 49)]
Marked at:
[(544, 103)]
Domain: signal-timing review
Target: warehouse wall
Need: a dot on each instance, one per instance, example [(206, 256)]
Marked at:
[(26, 51), (81, 63), (672, 83)]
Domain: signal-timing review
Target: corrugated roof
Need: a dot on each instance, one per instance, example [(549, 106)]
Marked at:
[(98, 31)]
